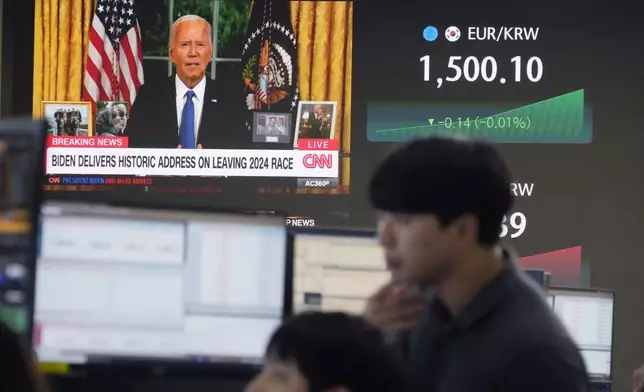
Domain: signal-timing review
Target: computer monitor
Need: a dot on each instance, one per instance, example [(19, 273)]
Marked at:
[(588, 316), (336, 270), (122, 284)]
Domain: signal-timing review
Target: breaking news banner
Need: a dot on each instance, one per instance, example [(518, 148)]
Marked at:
[(87, 141), (170, 162)]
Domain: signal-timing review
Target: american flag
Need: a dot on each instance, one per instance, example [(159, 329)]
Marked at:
[(114, 69)]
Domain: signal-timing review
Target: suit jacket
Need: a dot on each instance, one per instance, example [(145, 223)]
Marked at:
[(153, 119), (315, 131)]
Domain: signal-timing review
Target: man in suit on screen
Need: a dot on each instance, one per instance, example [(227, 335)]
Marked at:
[(186, 110)]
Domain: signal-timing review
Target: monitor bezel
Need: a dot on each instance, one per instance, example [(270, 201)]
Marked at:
[(603, 292), (174, 367)]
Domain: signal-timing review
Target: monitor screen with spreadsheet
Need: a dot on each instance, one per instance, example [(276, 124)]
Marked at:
[(130, 284), (588, 316), (336, 270)]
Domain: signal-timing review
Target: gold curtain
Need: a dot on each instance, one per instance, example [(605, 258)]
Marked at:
[(324, 32), (61, 37)]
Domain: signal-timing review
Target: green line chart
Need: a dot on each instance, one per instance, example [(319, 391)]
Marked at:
[(563, 119)]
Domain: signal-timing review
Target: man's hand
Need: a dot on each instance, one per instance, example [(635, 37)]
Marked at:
[(393, 309)]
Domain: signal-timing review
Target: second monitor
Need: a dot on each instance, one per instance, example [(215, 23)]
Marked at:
[(336, 270), (129, 283)]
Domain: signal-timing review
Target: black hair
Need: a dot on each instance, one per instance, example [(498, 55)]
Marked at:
[(337, 350), (446, 177), (19, 371)]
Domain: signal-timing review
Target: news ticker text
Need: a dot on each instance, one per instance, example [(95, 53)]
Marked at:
[(183, 162)]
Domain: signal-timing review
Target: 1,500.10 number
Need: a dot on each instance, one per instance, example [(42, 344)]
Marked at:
[(471, 68)]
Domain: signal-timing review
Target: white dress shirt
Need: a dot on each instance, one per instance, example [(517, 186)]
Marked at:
[(199, 90)]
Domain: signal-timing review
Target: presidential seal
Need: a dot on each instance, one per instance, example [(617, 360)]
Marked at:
[(269, 59)]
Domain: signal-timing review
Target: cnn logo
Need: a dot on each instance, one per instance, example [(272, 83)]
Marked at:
[(314, 161)]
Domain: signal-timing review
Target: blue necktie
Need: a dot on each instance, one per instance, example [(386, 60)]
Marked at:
[(187, 128)]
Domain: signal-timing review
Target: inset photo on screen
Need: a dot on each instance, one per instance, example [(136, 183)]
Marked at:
[(111, 118), (272, 127), (68, 118), (315, 120)]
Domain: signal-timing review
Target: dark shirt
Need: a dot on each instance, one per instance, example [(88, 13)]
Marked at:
[(506, 339)]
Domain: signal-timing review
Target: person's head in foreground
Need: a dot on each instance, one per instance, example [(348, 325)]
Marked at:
[(441, 202), (190, 48), (328, 352), (19, 371)]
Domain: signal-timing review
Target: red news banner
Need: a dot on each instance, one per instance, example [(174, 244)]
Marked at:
[(92, 155), (86, 141)]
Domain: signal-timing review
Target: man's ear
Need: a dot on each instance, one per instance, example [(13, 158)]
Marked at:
[(467, 226), (171, 52)]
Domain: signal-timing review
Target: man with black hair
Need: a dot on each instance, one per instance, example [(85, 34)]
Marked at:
[(473, 321), (328, 352)]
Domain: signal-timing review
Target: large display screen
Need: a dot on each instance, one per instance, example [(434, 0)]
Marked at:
[(311, 95), (513, 75), (269, 114), (134, 284)]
